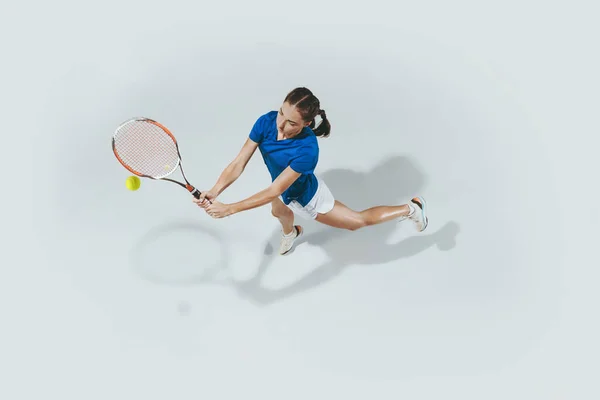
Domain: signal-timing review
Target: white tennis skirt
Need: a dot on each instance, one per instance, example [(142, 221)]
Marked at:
[(321, 203)]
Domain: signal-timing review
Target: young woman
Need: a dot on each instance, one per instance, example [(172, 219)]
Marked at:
[(288, 144)]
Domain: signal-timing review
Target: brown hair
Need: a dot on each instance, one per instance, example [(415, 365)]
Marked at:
[(309, 107)]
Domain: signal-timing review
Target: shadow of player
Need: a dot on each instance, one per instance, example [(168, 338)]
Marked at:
[(392, 182)]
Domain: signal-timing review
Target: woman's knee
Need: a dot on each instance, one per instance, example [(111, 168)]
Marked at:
[(357, 223), (278, 209), (277, 212)]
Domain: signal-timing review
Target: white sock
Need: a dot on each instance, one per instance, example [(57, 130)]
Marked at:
[(292, 233), (411, 209)]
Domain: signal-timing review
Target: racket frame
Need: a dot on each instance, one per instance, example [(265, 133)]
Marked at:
[(187, 185)]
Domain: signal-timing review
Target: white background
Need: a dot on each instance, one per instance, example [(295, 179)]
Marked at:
[(484, 108)]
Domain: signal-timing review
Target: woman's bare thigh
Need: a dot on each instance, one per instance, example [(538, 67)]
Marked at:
[(343, 217)]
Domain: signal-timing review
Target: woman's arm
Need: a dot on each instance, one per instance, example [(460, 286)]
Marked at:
[(265, 196), (235, 168)]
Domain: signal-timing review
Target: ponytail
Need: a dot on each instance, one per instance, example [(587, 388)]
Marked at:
[(324, 128)]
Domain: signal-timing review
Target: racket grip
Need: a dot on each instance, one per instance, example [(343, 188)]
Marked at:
[(196, 193)]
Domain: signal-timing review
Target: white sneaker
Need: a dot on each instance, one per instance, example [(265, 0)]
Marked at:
[(419, 214), (287, 242)]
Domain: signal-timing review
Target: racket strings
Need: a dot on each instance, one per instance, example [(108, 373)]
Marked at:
[(147, 149)]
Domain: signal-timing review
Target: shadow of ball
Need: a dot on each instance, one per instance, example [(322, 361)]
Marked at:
[(184, 308)]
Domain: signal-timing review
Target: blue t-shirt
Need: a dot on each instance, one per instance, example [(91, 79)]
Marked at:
[(301, 153)]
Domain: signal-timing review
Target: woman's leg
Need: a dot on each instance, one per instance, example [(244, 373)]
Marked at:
[(283, 214), (344, 217), (286, 218)]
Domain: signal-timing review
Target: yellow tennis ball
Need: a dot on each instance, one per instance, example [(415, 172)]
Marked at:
[(133, 183)]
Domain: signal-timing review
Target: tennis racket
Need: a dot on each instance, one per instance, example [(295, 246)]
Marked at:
[(149, 150)]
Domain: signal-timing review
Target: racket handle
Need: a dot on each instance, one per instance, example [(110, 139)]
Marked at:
[(196, 193)]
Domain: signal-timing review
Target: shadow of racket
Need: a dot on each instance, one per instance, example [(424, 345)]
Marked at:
[(162, 256)]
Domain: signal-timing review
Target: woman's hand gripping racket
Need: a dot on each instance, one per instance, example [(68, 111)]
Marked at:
[(148, 149)]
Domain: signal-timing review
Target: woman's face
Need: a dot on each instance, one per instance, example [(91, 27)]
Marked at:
[(289, 121)]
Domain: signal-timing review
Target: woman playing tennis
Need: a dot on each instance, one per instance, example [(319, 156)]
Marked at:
[(289, 147)]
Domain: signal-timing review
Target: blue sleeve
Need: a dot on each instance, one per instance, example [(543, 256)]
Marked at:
[(306, 160), (257, 132)]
